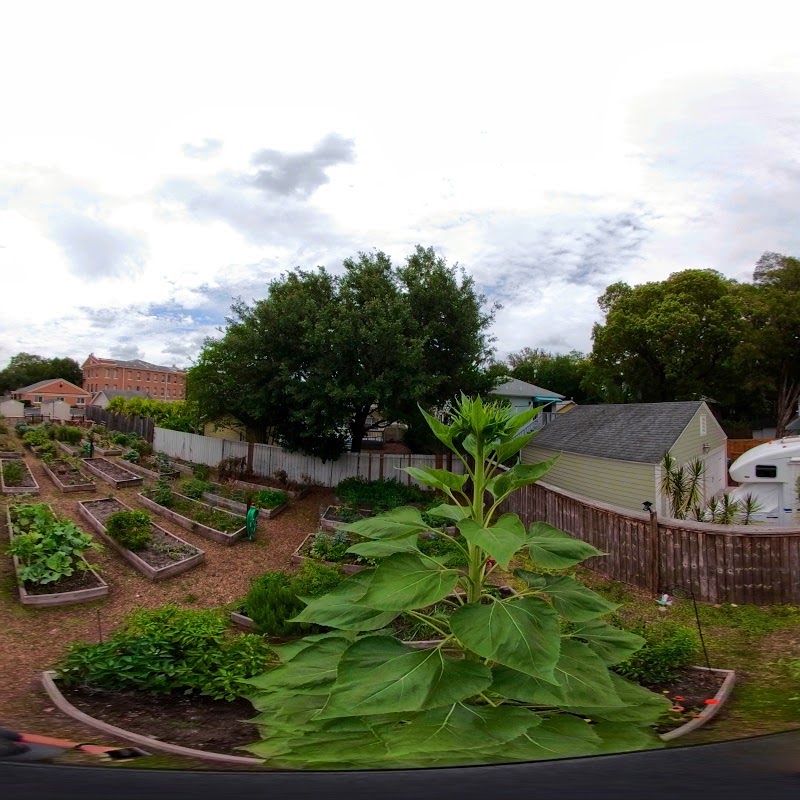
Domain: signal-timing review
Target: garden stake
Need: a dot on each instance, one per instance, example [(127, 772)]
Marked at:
[(99, 627)]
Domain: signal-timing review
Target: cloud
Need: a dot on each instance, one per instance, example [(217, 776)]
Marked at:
[(126, 350), (206, 149), (300, 174)]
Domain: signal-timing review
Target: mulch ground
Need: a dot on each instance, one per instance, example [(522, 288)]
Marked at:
[(32, 640), (688, 692)]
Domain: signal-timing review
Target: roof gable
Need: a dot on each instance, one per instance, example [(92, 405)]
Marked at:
[(626, 432), (517, 388), (40, 385)]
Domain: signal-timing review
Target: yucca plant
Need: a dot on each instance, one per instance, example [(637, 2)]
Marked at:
[(749, 507), (683, 486), (512, 678)]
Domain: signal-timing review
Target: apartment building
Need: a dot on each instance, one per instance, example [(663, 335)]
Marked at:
[(161, 383)]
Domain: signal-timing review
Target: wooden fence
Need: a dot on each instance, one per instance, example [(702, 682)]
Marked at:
[(143, 426), (738, 447), (265, 460), (718, 563)]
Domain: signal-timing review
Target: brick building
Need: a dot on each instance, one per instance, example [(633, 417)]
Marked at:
[(161, 383), (52, 389)]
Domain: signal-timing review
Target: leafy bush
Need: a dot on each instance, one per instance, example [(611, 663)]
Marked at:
[(47, 548), (330, 547), (201, 472), (121, 439), (142, 447), (274, 598), (68, 433), (444, 545), (132, 456), (168, 649), (131, 529), (22, 428), (47, 449), (34, 437), (162, 494), (13, 473), (379, 495), (268, 498), (194, 488), (668, 647)]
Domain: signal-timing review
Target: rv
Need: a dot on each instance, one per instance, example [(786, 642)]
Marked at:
[(771, 474)]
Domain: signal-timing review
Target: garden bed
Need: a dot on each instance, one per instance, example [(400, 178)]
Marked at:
[(69, 449), (28, 484), (153, 474), (203, 511), (112, 473), (302, 554), (82, 586), (186, 725), (66, 477), (294, 490), (235, 500), (336, 517), (165, 556)]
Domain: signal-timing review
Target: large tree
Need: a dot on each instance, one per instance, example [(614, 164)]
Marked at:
[(565, 373), (308, 363), (669, 340), (26, 368)]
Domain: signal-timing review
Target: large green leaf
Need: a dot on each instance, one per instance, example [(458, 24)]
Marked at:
[(612, 644), (437, 478), (620, 737), (286, 652), (449, 511), (405, 581), (553, 549), (571, 599), (501, 541), (379, 675), (380, 548), (506, 450), (523, 634), (559, 736), (457, 727), (500, 486), (440, 430), (344, 608), (525, 474), (640, 704), (397, 523)]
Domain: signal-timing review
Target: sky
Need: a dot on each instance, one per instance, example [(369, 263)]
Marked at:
[(159, 160)]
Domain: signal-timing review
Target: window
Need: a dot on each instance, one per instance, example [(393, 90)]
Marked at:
[(766, 471), (138, 388), (60, 398), (81, 401), (138, 377), (703, 425), (147, 376), (106, 373), (37, 398), (106, 386), (169, 378)]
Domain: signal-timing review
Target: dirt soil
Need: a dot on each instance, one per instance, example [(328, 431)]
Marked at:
[(688, 692), (34, 639)]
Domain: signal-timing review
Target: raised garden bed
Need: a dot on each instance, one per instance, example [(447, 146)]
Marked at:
[(81, 587), (185, 506), (241, 620), (302, 554), (112, 473), (66, 477), (336, 517), (184, 469), (69, 449), (235, 500), (165, 556), (293, 489), (28, 485), (191, 726), (146, 472)]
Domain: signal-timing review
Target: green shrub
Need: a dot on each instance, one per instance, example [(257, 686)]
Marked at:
[(34, 437), (68, 433), (131, 529), (201, 471), (22, 428), (162, 494), (169, 649), (668, 647), (132, 456), (142, 447), (274, 598), (379, 495), (330, 547), (47, 449), (444, 545), (268, 498), (194, 488), (121, 439), (13, 473)]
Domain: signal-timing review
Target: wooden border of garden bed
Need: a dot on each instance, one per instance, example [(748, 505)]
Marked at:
[(7, 454), (184, 469), (710, 711), (243, 621), (122, 483), (67, 488), (55, 598), (18, 489), (49, 683), (348, 569), (191, 525), (293, 494), (148, 473), (334, 525), (154, 573), (69, 449), (241, 508)]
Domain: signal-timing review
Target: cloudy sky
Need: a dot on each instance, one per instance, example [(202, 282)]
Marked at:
[(158, 160)]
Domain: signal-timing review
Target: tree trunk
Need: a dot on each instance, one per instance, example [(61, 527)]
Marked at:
[(788, 396), (357, 428)]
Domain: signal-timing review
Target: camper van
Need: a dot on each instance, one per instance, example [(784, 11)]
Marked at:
[(771, 474)]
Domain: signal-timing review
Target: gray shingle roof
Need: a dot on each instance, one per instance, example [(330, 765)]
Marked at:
[(516, 388), (627, 432), (126, 393)]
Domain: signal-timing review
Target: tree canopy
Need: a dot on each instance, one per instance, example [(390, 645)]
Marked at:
[(26, 368), (564, 373), (309, 363)]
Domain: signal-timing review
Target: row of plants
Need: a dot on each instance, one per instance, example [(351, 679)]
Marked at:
[(48, 549), (202, 513), (380, 495), (8, 444), (260, 498)]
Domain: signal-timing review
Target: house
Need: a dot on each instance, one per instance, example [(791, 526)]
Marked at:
[(612, 453), (105, 396), (11, 410), (161, 383), (52, 389), (523, 396)]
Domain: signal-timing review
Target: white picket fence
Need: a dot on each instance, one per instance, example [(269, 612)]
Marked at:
[(267, 459)]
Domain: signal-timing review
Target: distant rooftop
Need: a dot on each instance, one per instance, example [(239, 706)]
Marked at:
[(135, 363), (512, 387)]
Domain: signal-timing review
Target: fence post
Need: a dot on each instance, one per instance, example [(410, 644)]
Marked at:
[(655, 549)]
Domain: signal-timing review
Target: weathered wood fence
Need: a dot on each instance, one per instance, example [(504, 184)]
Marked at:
[(718, 563), (738, 447), (143, 426), (265, 460)]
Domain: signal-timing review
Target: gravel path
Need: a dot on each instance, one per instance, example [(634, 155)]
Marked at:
[(32, 640)]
